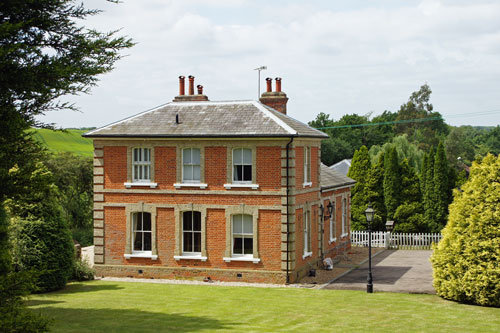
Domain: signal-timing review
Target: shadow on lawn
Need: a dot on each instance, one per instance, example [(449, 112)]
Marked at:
[(128, 320), (88, 286)]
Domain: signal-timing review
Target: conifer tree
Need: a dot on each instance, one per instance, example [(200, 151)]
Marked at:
[(375, 194), (465, 262), (392, 183), (409, 215), (359, 170), (441, 189), (428, 192)]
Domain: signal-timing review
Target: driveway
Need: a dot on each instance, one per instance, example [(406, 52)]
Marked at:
[(392, 271)]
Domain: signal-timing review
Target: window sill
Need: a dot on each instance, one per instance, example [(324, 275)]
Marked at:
[(307, 184), (252, 186), (333, 240), (190, 258), (141, 255), (307, 254), (254, 260), (344, 235), (199, 185), (137, 184)]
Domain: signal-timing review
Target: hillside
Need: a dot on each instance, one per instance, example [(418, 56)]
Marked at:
[(70, 140)]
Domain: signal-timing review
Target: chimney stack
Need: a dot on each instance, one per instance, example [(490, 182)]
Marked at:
[(181, 85), (191, 97), (191, 85), (277, 99)]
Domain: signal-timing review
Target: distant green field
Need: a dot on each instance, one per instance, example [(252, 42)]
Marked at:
[(70, 140)]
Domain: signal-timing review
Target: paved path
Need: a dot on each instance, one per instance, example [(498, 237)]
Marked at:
[(393, 271)]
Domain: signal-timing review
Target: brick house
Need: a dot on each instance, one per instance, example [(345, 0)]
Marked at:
[(231, 190)]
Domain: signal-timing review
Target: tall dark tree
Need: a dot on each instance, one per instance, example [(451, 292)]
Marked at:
[(409, 214), (360, 167), (441, 188), (428, 191), (392, 182), (374, 189), (44, 55)]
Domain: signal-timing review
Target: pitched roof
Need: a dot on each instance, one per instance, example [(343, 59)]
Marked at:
[(208, 119), (342, 166), (330, 179)]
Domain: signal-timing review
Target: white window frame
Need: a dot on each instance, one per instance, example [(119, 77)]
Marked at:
[(307, 167), (344, 217), (191, 254), (242, 164), (333, 224), (242, 235), (141, 163), (141, 253), (190, 181), (307, 234)]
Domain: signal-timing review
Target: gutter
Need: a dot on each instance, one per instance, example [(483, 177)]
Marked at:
[(287, 214)]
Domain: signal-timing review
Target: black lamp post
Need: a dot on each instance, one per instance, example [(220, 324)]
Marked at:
[(369, 212)]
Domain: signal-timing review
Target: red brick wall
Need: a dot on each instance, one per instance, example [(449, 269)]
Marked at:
[(314, 167), (215, 167), (165, 167), (269, 229), (269, 168), (115, 166), (114, 235)]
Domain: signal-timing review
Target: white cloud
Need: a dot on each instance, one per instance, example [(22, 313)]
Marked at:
[(349, 60)]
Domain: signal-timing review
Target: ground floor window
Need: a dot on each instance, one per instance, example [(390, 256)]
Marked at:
[(191, 232), (344, 217), (333, 225), (242, 235), (307, 233), (142, 231)]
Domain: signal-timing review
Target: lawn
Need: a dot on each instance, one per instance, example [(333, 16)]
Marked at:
[(70, 140), (99, 306)]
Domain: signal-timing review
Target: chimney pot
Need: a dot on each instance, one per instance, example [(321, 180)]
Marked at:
[(191, 85), (278, 84), (269, 83), (181, 85), (200, 89)]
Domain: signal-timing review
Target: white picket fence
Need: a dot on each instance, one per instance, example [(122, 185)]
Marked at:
[(403, 241)]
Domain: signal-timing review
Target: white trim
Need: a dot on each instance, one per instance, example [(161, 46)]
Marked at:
[(190, 257), (307, 184), (200, 185), (253, 186), (229, 259), (277, 120), (332, 240), (307, 254), (135, 184), (344, 235), (146, 254), (333, 188)]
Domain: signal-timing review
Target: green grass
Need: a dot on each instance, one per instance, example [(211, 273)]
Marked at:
[(70, 140), (143, 307)]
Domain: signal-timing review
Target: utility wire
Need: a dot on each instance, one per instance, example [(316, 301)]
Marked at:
[(417, 120)]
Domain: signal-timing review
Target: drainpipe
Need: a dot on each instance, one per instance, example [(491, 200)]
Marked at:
[(287, 215)]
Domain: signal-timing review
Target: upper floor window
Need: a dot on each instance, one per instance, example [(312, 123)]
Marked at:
[(242, 165), (141, 222), (307, 166), (191, 165), (242, 235), (191, 232), (141, 165)]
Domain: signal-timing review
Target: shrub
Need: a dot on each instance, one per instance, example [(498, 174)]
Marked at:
[(46, 247), (82, 271), (465, 262)]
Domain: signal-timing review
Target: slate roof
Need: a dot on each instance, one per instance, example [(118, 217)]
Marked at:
[(208, 119), (342, 166), (330, 179)]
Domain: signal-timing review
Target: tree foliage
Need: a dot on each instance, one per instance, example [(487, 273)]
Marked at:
[(392, 182), (406, 150), (465, 262), (360, 167)]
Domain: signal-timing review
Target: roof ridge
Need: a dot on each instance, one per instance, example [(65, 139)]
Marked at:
[(274, 118)]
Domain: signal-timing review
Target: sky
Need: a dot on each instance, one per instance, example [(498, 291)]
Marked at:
[(336, 57)]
